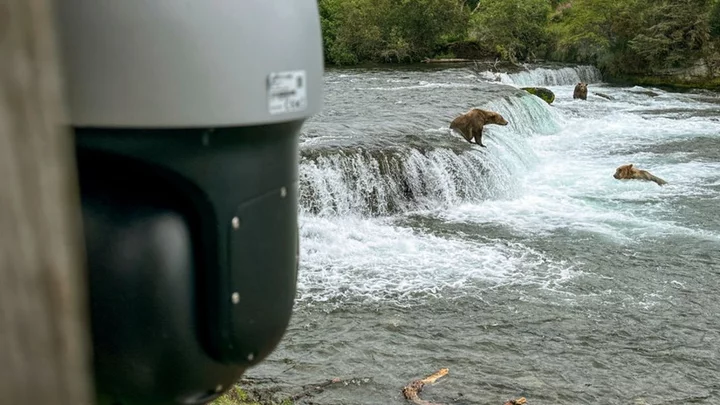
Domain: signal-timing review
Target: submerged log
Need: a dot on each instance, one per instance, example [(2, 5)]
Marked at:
[(412, 390), (605, 96)]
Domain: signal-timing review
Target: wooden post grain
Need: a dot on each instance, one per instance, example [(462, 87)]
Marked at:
[(44, 338)]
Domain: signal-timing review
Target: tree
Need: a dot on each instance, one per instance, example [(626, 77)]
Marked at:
[(389, 30), (676, 34), (516, 28), (714, 19), (596, 31)]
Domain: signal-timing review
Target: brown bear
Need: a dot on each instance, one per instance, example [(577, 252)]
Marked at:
[(470, 124), (629, 172), (580, 91)]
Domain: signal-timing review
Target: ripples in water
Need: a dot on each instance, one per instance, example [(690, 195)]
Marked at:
[(524, 267)]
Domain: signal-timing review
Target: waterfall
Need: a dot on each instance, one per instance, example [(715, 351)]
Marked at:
[(352, 181), (547, 77)]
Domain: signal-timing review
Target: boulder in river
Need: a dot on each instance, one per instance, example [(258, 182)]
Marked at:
[(541, 92)]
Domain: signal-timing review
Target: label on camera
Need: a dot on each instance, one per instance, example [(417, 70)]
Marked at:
[(287, 92)]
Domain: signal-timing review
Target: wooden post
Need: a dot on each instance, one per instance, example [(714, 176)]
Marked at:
[(44, 336)]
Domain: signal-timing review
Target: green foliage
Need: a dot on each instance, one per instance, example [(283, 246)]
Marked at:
[(632, 36), (595, 31), (714, 19), (389, 30), (235, 396), (330, 23), (471, 4), (622, 37), (517, 28), (445, 55), (238, 396), (352, 30), (676, 29)]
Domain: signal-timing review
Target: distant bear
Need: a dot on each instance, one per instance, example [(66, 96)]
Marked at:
[(470, 124), (580, 91), (626, 172)]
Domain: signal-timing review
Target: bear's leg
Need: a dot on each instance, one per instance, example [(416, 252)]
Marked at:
[(478, 138)]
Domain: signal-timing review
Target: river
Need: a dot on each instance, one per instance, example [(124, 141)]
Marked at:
[(523, 267)]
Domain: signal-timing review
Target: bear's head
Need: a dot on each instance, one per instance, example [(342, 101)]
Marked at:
[(624, 172), (495, 118)]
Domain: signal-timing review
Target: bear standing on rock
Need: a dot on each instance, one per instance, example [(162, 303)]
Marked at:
[(470, 124), (580, 91)]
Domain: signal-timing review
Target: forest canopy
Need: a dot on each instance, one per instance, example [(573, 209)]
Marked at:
[(618, 36)]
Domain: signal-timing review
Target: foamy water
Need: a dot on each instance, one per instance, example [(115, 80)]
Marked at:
[(550, 169), (546, 76), (370, 259), (525, 266), (573, 184)]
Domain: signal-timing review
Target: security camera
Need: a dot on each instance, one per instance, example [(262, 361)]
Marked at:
[(186, 117)]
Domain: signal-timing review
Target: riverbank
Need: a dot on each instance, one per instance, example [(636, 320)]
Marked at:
[(245, 393), (703, 74), (669, 83), (678, 79)]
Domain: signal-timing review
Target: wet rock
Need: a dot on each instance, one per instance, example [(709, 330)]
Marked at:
[(545, 94)]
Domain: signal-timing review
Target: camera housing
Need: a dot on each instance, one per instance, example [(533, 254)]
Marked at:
[(186, 118)]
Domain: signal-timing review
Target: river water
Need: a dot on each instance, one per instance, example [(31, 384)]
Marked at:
[(523, 267)]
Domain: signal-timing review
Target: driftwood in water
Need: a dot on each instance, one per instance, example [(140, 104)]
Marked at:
[(454, 60), (412, 390)]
